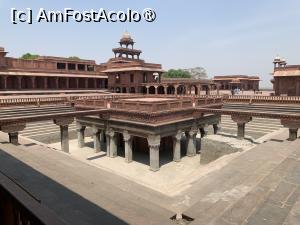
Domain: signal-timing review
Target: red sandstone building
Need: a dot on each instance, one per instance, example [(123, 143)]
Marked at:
[(50, 73), (242, 82), (125, 73), (286, 78)]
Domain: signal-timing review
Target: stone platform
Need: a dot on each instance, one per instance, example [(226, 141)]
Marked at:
[(260, 186)]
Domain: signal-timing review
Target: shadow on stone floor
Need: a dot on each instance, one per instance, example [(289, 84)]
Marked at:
[(64, 202)]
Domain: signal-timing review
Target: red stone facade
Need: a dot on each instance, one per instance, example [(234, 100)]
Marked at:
[(286, 78), (127, 72), (46, 73), (242, 82)]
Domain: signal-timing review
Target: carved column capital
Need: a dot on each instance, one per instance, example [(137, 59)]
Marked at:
[(126, 136), (79, 126), (95, 130), (64, 121), (241, 118), (193, 131), (178, 135), (13, 127), (110, 132), (154, 141)]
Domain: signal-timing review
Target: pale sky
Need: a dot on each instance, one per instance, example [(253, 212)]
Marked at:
[(224, 37)]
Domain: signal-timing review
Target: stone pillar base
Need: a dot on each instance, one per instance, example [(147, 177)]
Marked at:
[(13, 138), (241, 130), (293, 134)]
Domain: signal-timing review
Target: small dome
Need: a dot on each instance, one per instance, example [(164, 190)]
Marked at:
[(2, 49), (126, 38), (126, 35), (277, 58)]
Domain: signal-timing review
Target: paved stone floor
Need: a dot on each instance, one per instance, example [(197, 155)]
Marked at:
[(138, 171), (261, 186)]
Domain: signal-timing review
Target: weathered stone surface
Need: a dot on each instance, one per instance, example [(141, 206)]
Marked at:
[(211, 150)]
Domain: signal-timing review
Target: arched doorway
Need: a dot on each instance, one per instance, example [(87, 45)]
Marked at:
[(118, 90), (124, 90), (132, 90), (181, 90), (194, 90), (161, 90), (171, 90), (152, 90)]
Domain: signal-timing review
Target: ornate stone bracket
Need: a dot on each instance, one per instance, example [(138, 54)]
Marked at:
[(13, 131), (12, 128), (64, 121)]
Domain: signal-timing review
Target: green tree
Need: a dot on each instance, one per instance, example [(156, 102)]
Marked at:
[(74, 58), (29, 56), (177, 74)]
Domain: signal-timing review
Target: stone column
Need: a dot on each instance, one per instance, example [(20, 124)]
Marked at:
[(176, 88), (77, 82), (293, 125), (45, 83), (191, 141), (13, 138), (80, 134), (148, 89), (64, 123), (176, 146), (19, 78), (298, 87), (154, 143), (156, 91), (13, 131), (293, 134), (67, 82), (241, 121), (32, 82), (128, 146), (203, 131), (86, 83), (4, 82), (56, 83), (96, 137), (166, 90), (216, 128), (111, 143)]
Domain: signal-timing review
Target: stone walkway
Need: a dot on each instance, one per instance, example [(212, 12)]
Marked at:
[(261, 187)]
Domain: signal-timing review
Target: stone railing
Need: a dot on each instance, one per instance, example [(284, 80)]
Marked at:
[(10, 102), (263, 99), (151, 106)]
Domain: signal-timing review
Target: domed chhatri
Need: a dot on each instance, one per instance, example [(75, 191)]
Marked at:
[(2, 49), (126, 40), (126, 48)]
